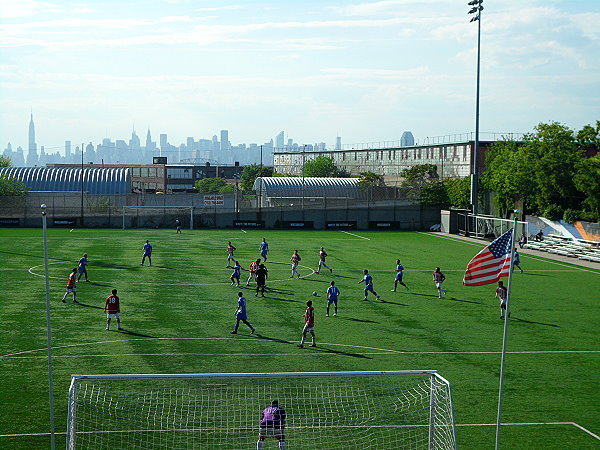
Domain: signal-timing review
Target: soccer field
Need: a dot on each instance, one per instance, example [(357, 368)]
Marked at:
[(177, 315)]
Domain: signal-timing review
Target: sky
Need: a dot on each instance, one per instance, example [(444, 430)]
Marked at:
[(363, 70)]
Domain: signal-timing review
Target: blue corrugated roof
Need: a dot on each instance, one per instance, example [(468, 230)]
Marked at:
[(95, 181)]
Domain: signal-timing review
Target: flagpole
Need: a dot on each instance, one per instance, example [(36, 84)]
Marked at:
[(506, 314)]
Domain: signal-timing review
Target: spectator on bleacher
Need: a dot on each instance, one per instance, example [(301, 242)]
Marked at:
[(523, 240), (539, 237)]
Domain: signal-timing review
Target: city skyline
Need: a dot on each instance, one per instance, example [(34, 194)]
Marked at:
[(367, 71)]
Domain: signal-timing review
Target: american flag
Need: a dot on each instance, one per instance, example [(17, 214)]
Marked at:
[(491, 263)]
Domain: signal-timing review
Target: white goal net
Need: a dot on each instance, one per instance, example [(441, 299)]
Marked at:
[(158, 216), (323, 410)]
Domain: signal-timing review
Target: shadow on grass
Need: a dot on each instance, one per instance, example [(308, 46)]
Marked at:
[(337, 352), (114, 266), (279, 291), (343, 276), (535, 323), (133, 333), (34, 256), (285, 299), (535, 274), (453, 299), (94, 283), (352, 319), (423, 295), (267, 338), (314, 280), (392, 303), (88, 306)]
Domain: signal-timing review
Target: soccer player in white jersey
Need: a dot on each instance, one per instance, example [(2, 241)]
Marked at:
[(368, 280), (295, 260), (230, 255), (333, 294), (399, 274), (322, 256), (439, 278), (502, 295)]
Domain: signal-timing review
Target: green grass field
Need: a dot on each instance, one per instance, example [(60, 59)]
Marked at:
[(551, 370)]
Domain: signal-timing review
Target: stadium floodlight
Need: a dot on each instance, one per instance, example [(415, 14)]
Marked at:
[(341, 410), (476, 9)]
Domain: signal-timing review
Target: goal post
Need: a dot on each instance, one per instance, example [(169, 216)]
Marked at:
[(157, 216), (342, 410)]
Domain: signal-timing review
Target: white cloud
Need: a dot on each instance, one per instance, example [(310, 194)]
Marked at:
[(25, 8)]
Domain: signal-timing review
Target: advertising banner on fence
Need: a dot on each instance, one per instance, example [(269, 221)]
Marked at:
[(211, 200)]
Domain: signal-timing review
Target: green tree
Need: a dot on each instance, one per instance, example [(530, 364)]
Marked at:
[(368, 180), (435, 193), (321, 166), (459, 191), (589, 136), (509, 172), (251, 173), (212, 186), (587, 180), (5, 162), (416, 177), (11, 186)]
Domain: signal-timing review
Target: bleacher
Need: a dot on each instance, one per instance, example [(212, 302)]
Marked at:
[(564, 246)]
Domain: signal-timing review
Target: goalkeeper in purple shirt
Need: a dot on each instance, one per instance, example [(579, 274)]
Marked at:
[(272, 424)]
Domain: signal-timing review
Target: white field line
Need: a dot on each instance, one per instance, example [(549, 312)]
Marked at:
[(355, 235), (298, 353), (31, 270), (374, 350), (312, 427), (539, 258)]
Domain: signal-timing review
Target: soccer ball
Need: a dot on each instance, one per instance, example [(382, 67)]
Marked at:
[(315, 293)]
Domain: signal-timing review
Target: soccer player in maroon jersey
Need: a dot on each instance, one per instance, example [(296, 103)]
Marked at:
[(112, 308), (502, 295), (71, 286), (439, 278), (272, 424), (309, 325)]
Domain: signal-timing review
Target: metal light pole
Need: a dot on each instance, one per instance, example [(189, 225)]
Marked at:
[(476, 9), (48, 329), (81, 184), (303, 150), (260, 174)]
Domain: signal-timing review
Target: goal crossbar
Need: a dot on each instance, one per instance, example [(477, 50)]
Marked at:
[(157, 207), (364, 409)]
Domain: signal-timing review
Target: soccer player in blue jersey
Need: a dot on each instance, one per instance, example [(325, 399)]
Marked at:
[(517, 260), (82, 267), (264, 249), (237, 272), (333, 294), (240, 314), (398, 279), (368, 280), (272, 424), (147, 252)]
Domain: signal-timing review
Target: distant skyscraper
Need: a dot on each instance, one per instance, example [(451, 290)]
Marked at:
[(338, 143), (67, 149), (407, 139), (224, 140), (32, 157), (280, 140)]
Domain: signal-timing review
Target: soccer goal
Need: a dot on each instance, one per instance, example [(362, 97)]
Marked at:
[(157, 216), (341, 410)]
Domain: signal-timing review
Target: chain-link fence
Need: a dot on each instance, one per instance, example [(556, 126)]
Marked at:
[(377, 207)]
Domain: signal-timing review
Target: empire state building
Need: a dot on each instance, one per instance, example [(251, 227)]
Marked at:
[(32, 156)]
